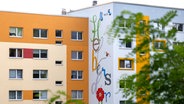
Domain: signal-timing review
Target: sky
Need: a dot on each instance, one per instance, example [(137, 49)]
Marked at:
[(55, 6)]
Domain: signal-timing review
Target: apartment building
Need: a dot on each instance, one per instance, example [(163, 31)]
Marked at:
[(108, 62), (41, 54)]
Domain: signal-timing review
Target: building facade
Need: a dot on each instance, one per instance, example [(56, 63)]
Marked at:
[(108, 62), (41, 54)]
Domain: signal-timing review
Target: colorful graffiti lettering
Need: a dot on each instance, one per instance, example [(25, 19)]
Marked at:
[(101, 72)]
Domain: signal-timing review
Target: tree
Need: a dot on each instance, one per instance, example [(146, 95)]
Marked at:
[(161, 78)]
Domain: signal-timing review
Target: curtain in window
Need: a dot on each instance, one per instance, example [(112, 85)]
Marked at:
[(122, 64), (80, 94), (19, 52), (128, 63), (12, 73), (43, 94), (74, 94), (12, 31), (74, 55), (19, 31)]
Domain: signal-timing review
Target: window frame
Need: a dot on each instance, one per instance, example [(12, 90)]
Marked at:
[(16, 32), (16, 94), (77, 75), (40, 53), (39, 92), (76, 33), (177, 26), (124, 45), (77, 94), (40, 33), (16, 53), (40, 74), (58, 102), (61, 31), (125, 59), (16, 73), (159, 48), (77, 55)]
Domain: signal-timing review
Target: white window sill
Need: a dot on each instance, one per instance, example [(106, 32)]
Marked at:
[(59, 37), (126, 69), (15, 99), (16, 36), (77, 59), (40, 58), (39, 38), (16, 57), (15, 78), (40, 99), (125, 48), (40, 79)]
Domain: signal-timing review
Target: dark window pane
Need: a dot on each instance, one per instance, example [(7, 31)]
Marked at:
[(43, 73), (79, 74), (74, 35), (79, 35), (12, 94), (58, 82), (74, 55), (36, 95), (35, 73), (58, 102), (43, 53), (35, 32), (44, 33), (58, 33), (58, 62), (12, 52), (79, 55), (128, 44), (180, 27), (74, 75)]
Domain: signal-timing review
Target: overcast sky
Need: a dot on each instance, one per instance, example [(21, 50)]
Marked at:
[(55, 6)]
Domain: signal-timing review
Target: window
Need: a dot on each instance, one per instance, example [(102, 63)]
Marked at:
[(58, 62), (15, 95), (40, 33), (40, 74), (15, 32), (77, 94), (15, 73), (126, 63), (76, 74), (159, 44), (39, 53), (126, 102), (58, 82), (123, 44), (58, 33), (76, 55), (40, 94), (76, 35), (58, 102), (124, 84), (179, 26), (59, 42), (15, 52)]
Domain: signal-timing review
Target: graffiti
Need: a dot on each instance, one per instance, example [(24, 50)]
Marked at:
[(101, 72), (107, 94), (107, 77)]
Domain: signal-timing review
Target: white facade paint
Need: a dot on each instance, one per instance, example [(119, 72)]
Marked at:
[(113, 95)]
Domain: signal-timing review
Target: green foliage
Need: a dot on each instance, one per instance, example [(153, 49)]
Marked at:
[(58, 96), (162, 80)]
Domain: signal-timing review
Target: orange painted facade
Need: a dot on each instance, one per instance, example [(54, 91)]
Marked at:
[(52, 23)]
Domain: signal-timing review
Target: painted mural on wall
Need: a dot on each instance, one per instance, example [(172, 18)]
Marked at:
[(102, 74)]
